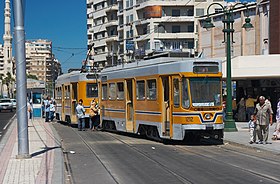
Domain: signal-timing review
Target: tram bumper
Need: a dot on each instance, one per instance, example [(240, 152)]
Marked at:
[(215, 131)]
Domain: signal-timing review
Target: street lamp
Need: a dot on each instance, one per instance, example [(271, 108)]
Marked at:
[(228, 30)]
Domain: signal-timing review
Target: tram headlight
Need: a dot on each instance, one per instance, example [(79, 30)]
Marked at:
[(207, 116)]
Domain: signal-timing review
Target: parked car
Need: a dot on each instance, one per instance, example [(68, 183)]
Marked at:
[(6, 104), (14, 102)]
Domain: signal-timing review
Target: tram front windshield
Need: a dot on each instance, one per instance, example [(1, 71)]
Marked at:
[(204, 92)]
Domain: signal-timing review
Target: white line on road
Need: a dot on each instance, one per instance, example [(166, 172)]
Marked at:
[(11, 120)]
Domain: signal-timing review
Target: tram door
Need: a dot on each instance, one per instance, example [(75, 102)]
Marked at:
[(74, 96), (166, 106), (63, 103), (129, 105)]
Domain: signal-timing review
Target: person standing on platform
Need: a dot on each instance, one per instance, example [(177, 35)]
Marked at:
[(241, 110), (47, 109), (81, 115), (252, 129), (52, 110), (263, 116), (250, 106), (276, 133)]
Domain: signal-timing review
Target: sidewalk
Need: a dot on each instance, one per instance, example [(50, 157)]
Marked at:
[(242, 137), (46, 162)]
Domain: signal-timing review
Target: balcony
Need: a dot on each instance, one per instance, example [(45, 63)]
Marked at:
[(97, 29), (174, 35), (112, 38), (111, 23), (100, 57), (145, 3), (99, 42), (177, 19), (110, 8)]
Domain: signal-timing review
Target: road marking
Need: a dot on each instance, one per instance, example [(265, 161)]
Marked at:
[(11, 120)]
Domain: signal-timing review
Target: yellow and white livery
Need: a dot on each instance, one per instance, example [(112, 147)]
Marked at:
[(69, 89), (166, 98)]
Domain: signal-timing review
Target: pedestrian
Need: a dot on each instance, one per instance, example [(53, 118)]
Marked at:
[(47, 109), (263, 116), (29, 109), (52, 110), (250, 106), (241, 113), (276, 133), (252, 129), (81, 115), (93, 112)]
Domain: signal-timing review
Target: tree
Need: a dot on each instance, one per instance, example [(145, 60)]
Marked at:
[(30, 76), (2, 81), (8, 80)]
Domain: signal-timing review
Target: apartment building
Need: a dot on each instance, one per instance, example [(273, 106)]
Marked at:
[(125, 30), (41, 62), (254, 42)]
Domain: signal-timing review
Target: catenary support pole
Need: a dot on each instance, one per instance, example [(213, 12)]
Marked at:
[(19, 42)]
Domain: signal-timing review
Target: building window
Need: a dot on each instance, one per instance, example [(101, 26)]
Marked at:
[(131, 18), (218, 10), (176, 29), (140, 90), (190, 28), (175, 13)]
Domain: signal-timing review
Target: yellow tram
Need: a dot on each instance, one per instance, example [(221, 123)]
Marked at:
[(71, 87), (164, 98)]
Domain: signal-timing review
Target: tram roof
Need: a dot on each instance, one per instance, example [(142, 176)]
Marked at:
[(164, 65), (74, 76), (253, 67)]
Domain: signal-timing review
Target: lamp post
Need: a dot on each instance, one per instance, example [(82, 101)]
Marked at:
[(228, 30)]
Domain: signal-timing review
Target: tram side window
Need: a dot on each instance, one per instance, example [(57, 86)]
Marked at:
[(176, 95), (104, 92), (92, 90), (140, 90), (120, 91), (112, 91), (60, 93), (151, 89), (67, 92), (185, 92)]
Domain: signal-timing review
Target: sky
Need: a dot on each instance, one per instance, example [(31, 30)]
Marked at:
[(61, 21)]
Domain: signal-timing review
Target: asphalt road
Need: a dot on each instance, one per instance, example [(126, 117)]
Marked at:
[(103, 157), (5, 118)]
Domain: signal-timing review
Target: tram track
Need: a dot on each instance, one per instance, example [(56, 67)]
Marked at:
[(179, 177), (251, 171), (154, 153), (96, 155), (184, 180)]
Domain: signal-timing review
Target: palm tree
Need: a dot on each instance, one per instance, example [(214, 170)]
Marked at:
[(2, 81), (8, 80)]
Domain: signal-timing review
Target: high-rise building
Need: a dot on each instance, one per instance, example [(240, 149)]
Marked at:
[(254, 42), (124, 30), (41, 62)]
